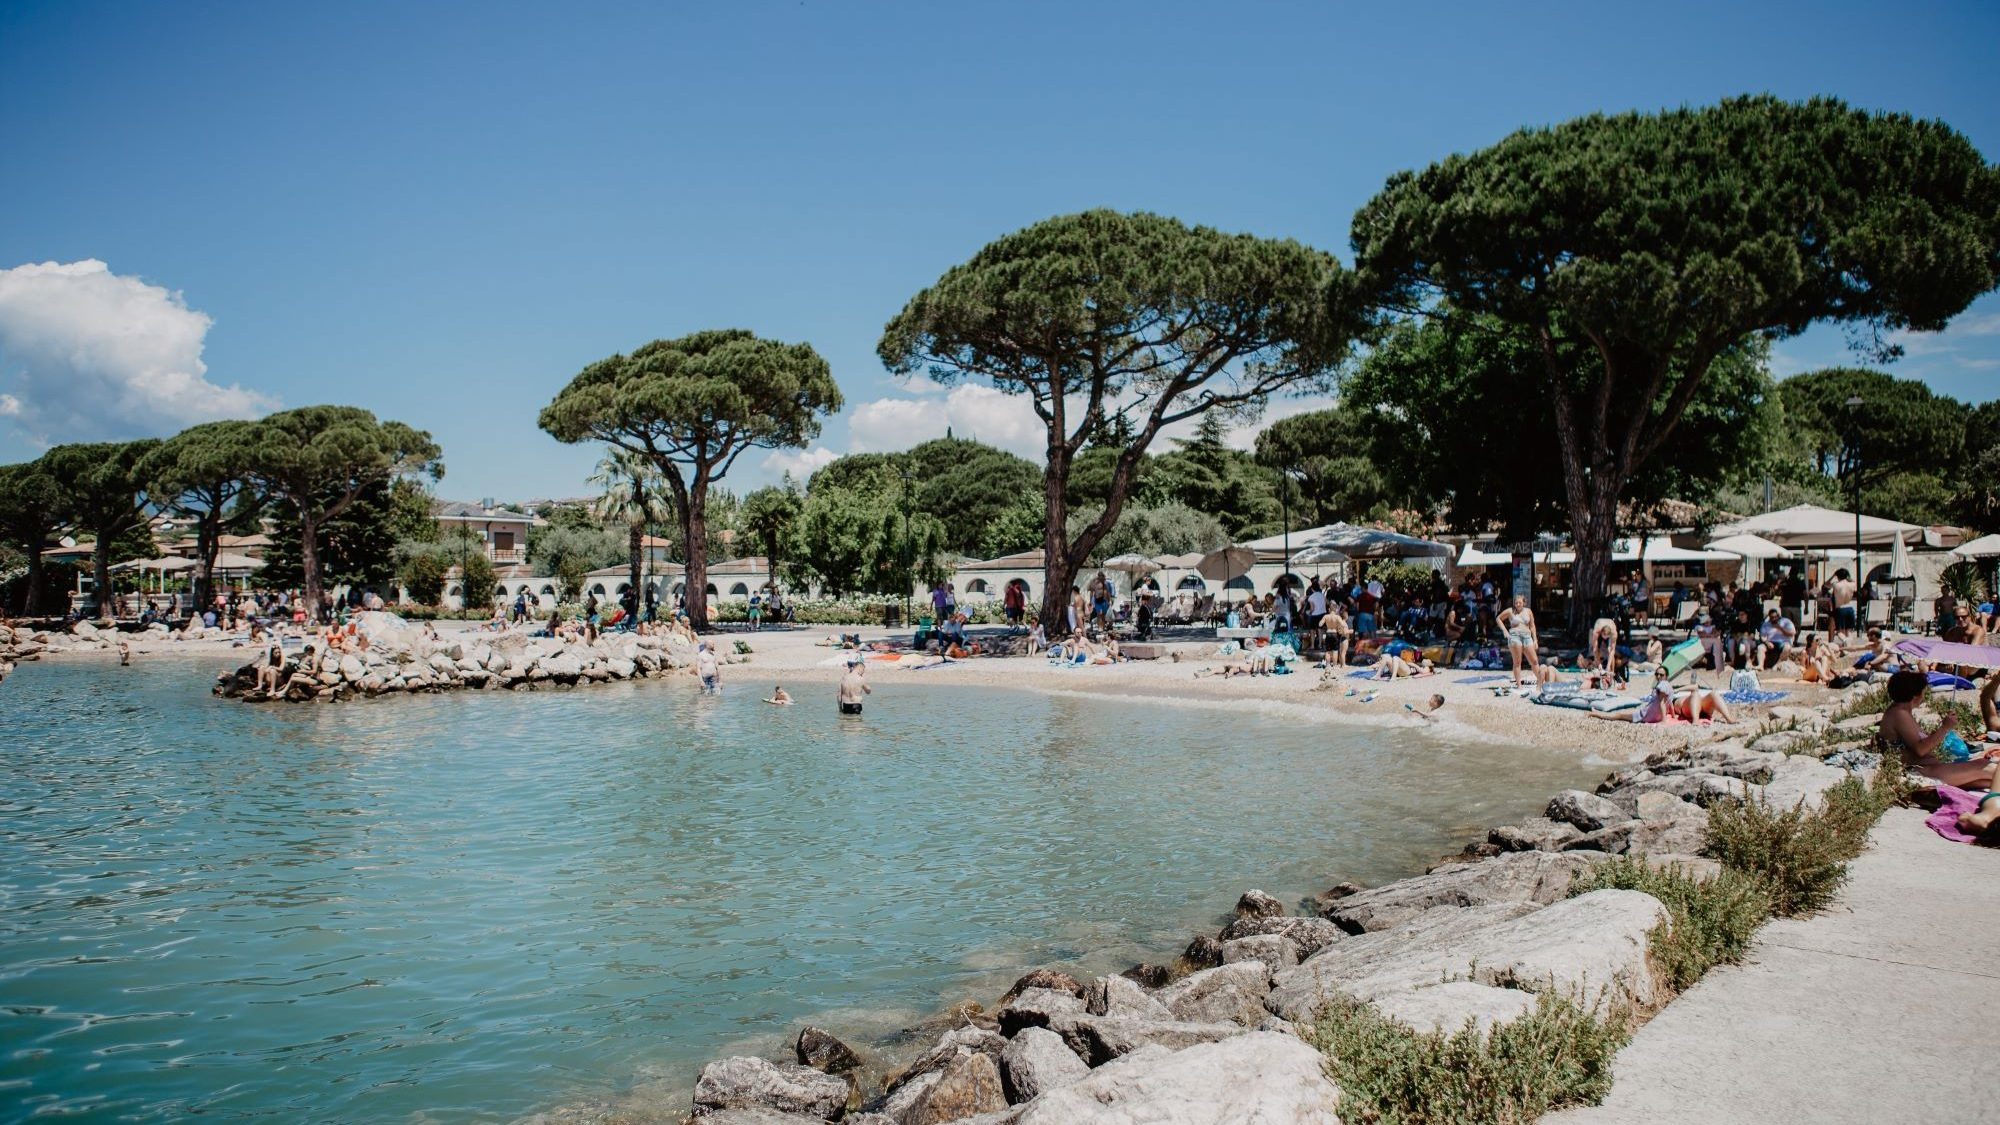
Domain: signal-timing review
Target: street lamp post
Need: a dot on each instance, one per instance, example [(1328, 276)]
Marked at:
[(909, 557)]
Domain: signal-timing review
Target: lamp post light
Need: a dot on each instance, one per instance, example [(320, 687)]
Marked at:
[(909, 557)]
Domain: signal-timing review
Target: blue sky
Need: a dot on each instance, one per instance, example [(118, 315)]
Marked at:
[(443, 211)]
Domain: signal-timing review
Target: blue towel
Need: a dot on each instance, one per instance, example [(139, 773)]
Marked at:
[(1753, 696), (1949, 682), (1492, 678), (1364, 674)]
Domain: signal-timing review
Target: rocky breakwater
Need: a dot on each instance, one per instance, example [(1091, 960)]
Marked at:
[(1223, 1035), (422, 663)]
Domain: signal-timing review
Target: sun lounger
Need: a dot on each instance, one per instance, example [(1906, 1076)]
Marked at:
[(1242, 633)]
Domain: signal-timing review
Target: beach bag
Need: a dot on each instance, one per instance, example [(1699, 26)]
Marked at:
[(1743, 679)]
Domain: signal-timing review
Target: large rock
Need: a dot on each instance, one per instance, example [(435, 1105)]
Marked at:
[(1679, 835), (1540, 877), (818, 1048), (1037, 1061), (1034, 1007), (1226, 994), (1276, 951), (1043, 978), (968, 1084), (744, 1117), (1585, 947), (1587, 812), (1450, 1006), (1099, 1039), (953, 1043), (1257, 904), (1122, 996), (1259, 1078), (1535, 834), (751, 1083), (1701, 787), (1310, 934), (1203, 952), (352, 669), (1800, 781)]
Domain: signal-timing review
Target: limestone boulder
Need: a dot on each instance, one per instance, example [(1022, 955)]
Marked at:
[(1800, 781), (1452, 1005), (966, 1085), (1099, 1039), (1035, 1007), (1586, 812), (820, 1049), (1276, 951), (1310, 934), (1258, 1078), (1203, 952), (352, 669), (1591, 947), (1537, 876), (1257, 904), (752, 1083), (1122, 996), (1535, 834), (1229, 993), (1043, 978), (953, 1043), (1037, 1061)]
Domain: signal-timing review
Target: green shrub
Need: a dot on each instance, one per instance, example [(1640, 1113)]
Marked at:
[(1556, 1056), (1801, 855), (1712, 919)]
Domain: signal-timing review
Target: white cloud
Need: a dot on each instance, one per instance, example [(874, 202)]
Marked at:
[(969, 411), (801, 463), (92, 354)]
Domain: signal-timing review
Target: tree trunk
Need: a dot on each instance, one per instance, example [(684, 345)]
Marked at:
[(100, 576), (207, 545), (309, 563), (1057, 573), (31, 598), (1595, 529), (635, 541), (694, 529)]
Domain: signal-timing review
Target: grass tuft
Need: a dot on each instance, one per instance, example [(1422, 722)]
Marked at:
[(1556, 1056), (1711, 920)]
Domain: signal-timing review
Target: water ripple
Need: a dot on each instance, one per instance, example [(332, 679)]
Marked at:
[(456, 908)]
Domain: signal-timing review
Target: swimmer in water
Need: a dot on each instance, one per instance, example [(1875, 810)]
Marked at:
[(780, 696)]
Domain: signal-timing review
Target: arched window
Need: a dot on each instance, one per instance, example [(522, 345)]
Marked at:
[(597, 588), (976, 586), (1291, 580), (1191, 582), (711, 589), (624, 586), (452, 592), (1241, 582), (739, 591), (548, 591)]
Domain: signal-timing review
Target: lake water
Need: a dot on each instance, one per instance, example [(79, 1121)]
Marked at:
[(466, 907)]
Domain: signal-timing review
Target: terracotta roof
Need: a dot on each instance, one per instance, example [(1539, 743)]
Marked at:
[(1020, 560), (753, 564)]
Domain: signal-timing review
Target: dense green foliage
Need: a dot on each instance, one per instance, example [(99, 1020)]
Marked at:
[(33, 508), (203, 472), (1711, 920), (691, 406), (1558, 1055), (1652, 243), (316, 462), (567, 553), (105, 489), (1124, 324), (1799, 854)]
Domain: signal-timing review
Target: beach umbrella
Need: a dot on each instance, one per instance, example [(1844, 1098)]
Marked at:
[(1681, 656), (1226, 564), (1319, 556), (1751, 547), (1899, 559), (1948, 652), (1984, 547), (1132, 564)]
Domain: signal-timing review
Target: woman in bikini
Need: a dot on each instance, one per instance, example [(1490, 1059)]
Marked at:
[(1523, 644), (1942, 754)]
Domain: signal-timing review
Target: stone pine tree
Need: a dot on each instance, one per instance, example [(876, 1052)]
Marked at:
[(1652, 243), (203, 472), (316, 460), (1127, 324), (691, 406), (107, 494), (34, 506)]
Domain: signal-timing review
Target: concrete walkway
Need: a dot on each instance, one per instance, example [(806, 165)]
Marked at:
[(1881, 1010)]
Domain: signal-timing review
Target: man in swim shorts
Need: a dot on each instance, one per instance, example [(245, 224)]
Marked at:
[(853, 688)]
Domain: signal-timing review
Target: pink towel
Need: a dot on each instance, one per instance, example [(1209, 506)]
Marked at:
[(1956, 803)]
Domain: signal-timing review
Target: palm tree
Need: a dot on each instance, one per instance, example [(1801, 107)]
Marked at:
[(633, 494)]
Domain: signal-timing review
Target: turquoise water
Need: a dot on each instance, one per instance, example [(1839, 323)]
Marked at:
[(466, 907)]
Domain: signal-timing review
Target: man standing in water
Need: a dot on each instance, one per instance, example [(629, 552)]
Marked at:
[(710, 670), (853, 688)]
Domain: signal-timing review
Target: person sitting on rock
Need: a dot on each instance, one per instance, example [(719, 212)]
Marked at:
[(305, 678), (1989, 708), (271, 671), (1941, 754)]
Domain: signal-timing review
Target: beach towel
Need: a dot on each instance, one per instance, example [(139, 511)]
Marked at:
[(1956, 802), (1746, 696), (1602, 701), (1488, 678)]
